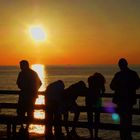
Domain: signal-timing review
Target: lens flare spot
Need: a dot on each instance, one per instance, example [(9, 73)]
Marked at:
[(109, 107), (115, 117)]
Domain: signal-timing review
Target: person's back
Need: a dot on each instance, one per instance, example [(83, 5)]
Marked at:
[(54, 91), (70, 96), (28, 81), (124, 83)]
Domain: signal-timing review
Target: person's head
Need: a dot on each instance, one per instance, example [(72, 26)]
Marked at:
[(97, 80), (123, 64), (24, 64)]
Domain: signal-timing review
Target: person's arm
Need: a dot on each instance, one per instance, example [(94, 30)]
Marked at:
[(103, 89), (113, 84), (137, 80), (19, 81)]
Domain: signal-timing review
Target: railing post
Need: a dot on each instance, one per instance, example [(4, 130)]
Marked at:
[(139, 105), (14, 130), (97, 121), (9, 131)]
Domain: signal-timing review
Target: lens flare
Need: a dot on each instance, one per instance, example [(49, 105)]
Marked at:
[(115, 117), (109, 107)]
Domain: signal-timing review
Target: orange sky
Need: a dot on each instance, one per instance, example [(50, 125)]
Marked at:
[(78, 32)]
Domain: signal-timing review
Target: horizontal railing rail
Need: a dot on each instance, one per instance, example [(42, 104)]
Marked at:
[(17, 92)]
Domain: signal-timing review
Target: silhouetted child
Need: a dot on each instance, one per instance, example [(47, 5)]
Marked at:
[(69, 103), (93, 100), (53, 97), (124, 83)]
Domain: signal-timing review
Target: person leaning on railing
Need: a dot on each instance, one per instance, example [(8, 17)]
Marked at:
[(96, 87)]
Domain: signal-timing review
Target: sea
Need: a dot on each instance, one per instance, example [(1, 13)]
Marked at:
[(69, 74)]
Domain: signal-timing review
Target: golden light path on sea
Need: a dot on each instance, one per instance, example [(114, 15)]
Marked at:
[(39, 114)]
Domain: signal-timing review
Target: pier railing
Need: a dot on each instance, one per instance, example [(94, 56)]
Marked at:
[(12, 120)]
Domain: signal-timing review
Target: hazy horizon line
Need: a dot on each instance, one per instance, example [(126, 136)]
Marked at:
[(67, 65)]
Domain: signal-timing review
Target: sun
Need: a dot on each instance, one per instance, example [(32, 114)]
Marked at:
[(37, 33)]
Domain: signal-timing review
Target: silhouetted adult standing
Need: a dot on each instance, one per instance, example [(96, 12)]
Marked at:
[(96, 84), (28, 82), (125, 83)]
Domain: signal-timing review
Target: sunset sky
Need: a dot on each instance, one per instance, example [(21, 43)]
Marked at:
[(76, 31)]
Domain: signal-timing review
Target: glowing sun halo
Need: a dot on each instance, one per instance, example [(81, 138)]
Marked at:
[(37, 33)]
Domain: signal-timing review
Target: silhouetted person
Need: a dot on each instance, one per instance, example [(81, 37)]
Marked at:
[(28, 82), (125, 83), (53, 97), (96, 89), (69, 103)]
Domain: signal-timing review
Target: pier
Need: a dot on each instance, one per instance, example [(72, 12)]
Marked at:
[(12, 121)]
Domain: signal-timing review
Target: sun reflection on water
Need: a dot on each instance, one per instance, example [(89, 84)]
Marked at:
[(39, 114), (40, 69), (40, 100)]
